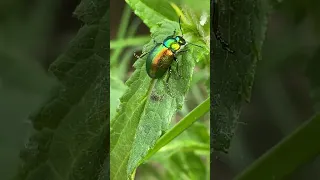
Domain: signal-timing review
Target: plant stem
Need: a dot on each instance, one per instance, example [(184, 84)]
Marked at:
[(135, 41)]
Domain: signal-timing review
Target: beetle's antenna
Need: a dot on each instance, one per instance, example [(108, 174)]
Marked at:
[(182, 34), (196, 45), (180, 25)]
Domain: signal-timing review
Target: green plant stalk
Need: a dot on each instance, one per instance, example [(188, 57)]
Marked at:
[(191, 147), (124, 22), (134, 27), (121, 34), (186, 122), (135, 41), (295, 150)]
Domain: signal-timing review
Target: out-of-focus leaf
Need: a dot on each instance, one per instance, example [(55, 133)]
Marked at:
[(243, 24), (313, 75), (23, 87), (72, 127)]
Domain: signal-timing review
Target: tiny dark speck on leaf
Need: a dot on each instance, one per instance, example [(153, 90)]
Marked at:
[(156, 97)]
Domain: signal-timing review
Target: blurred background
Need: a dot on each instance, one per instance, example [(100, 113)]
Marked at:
[(33, 33)]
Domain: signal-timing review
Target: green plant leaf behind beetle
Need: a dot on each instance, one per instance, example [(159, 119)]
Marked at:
[(142, 119)]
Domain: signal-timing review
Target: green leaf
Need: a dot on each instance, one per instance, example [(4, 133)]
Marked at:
[(293, 152), (142, 119), (72, 127), (243, 24), (152, 12), (117, 88)]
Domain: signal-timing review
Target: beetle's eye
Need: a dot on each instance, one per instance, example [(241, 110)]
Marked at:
[(175, 46)]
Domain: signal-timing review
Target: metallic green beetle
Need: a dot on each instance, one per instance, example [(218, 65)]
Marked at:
[(163, 54), (160, 58)]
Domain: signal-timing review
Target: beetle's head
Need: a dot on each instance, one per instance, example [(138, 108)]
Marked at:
[(180, 40)]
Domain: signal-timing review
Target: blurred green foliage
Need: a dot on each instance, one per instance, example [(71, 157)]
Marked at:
[(24, 84), (70, 130)]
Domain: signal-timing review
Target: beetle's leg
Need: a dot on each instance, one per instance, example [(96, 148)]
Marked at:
[(141, 56), (174, 32), (183, 51), (154, 41), (216, 29)]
